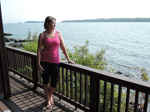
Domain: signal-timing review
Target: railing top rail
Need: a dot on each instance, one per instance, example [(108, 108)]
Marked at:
[(111, 77), (21, 51)]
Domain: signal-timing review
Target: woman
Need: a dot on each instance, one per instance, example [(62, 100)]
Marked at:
[(48, 56)]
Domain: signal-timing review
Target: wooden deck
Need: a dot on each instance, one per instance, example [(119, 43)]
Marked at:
[(24, 99)]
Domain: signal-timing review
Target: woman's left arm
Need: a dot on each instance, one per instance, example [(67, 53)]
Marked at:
[(63, 48)]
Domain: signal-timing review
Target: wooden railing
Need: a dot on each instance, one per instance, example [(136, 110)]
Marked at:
[(86, 88)]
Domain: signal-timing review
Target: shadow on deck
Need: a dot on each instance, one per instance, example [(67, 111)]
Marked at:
[(24, 99)]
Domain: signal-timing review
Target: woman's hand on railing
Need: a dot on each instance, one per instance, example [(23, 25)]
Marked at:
[(71, 62), (40, 68)]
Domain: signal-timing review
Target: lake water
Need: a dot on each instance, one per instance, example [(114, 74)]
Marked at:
[(127, 45)]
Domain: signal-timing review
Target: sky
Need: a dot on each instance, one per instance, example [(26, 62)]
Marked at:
[(25, 10)]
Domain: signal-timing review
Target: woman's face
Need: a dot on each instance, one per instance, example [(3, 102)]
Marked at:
[(52, 25)]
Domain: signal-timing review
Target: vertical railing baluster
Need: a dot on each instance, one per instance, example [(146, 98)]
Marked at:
[(105, 92), (12, 61), (146, 102), (59, 81), (71, 85), (30, 62), (18, 61), (112, 97), (86, 92), (27, 65), (9, 55), (34, 71), (127, 99), (15, 65), (119, 97), (136, 101), (25, 60), (75, 86), (63, 84), (67, 86), (21, 65), (22, 62), (97, 94), (81, 88)]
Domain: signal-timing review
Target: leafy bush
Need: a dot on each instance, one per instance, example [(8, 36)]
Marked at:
[(31, 46), (144, 75), (81, 55)]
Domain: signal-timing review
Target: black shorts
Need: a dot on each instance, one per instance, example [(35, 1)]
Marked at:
[(51, 71)]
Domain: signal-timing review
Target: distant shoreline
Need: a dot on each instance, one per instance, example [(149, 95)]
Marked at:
[(111, 20), (102, 20), (34, 22)]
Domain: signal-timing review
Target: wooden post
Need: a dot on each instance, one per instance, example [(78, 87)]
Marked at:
[(94, 94), (34, 72), (5, 89), (1, 84)]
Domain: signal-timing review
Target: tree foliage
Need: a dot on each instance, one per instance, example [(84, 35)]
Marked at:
[(81, 55), (144, 75)]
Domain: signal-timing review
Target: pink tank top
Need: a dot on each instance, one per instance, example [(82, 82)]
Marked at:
[(50, 53)]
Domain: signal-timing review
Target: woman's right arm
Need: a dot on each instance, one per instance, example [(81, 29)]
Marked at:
[(39, 52)]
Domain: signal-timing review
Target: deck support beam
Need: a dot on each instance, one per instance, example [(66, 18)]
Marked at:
[(4, 78)]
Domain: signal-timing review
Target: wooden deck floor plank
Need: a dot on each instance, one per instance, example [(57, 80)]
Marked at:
[(26, 100)]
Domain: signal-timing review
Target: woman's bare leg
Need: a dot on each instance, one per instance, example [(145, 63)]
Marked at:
[(46, 90), (50, 93)]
